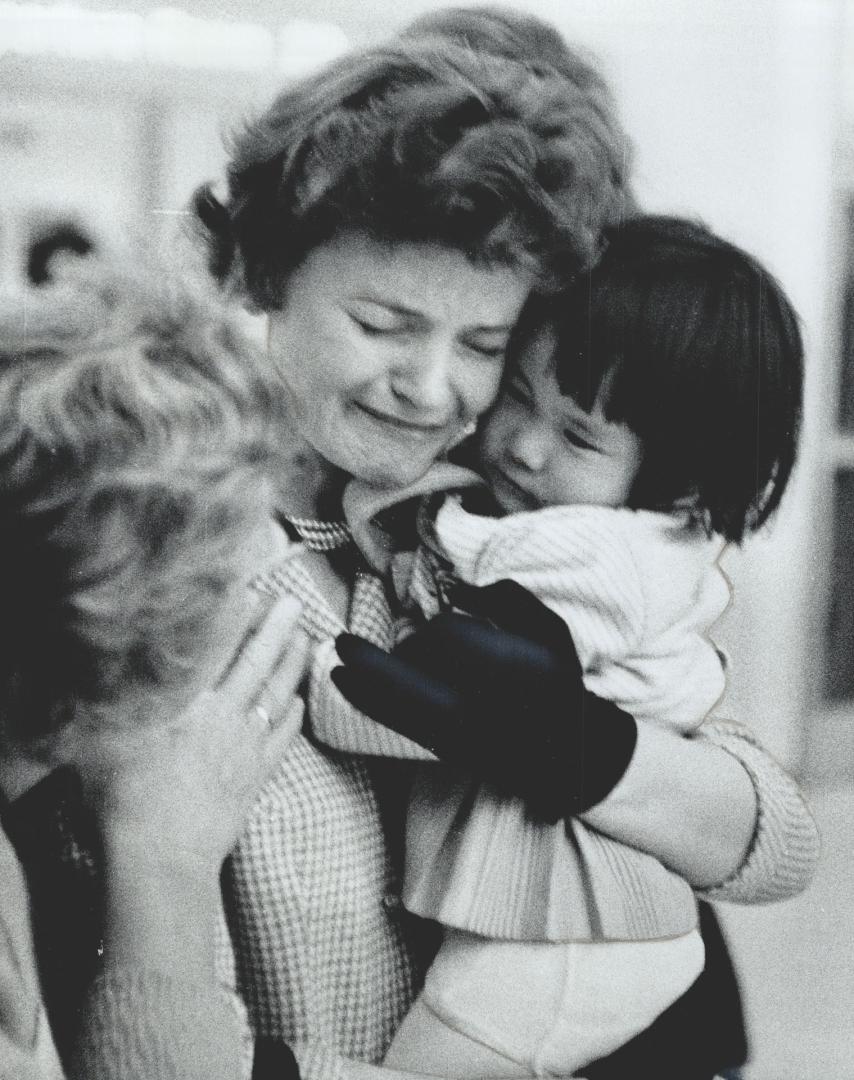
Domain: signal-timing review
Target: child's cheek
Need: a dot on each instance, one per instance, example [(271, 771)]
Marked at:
[(494, 435)]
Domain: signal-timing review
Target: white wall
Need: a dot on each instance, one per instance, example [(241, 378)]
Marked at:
[(734, 109)]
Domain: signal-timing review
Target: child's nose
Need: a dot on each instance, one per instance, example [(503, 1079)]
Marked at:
[(529, 448)]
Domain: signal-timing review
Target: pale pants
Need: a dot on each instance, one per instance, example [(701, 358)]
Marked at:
[(523, 1009)]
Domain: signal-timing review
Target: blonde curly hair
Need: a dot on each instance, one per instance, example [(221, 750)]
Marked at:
[(137, 433)]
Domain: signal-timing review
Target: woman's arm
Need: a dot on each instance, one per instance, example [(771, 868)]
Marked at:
[(717, 809), (713, 806), (170, 805), (684, 800)]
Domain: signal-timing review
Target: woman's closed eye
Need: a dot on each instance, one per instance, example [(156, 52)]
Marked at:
[(375, 326), (489, 352)]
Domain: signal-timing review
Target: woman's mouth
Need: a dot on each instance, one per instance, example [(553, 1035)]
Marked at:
[(417, 429)]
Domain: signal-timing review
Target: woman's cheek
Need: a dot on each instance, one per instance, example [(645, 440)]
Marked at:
[(481, 389)]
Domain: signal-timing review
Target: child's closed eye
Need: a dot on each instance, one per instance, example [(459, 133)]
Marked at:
[(517, 392), (576, 439)]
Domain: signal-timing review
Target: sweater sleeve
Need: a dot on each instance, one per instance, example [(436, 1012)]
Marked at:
[(784, 852), (574, 562), (145, 1025), (636, 593)]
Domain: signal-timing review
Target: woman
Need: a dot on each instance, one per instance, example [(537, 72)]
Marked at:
[(391, 215), (110, 394)]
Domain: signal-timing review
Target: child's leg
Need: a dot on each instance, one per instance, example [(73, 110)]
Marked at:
[(426, 1044), (508, 1009), (613, 991)]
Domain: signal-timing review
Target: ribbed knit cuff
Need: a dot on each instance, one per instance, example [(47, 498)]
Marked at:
[(144, 1024), (785, 849)]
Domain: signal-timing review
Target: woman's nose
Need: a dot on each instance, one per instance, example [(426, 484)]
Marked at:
[(423, 380), (528, 448)]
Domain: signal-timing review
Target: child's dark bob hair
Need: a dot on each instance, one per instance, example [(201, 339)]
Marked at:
[(699, 352)]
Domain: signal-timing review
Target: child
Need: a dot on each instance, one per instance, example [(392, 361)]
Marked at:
[(649, 415), (136, 435)]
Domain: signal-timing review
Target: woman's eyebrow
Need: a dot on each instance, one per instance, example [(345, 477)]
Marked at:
[(389, 305), (397, 308)]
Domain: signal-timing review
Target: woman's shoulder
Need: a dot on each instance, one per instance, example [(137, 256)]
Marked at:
[(284, 569)]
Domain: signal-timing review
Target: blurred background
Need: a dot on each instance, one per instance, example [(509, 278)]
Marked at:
[(742, 114)]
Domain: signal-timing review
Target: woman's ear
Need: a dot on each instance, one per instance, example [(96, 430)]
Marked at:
[(466, 433)]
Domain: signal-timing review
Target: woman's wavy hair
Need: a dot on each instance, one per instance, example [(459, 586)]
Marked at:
[(515, 35), (136, 432), (694, 345), (423, 139)]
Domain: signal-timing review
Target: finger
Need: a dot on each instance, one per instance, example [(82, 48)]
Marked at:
[(413, 707), (286, 678), (363, 656), (281, 736), (256, 662), (396, 694), (512, 607), (469, 653)]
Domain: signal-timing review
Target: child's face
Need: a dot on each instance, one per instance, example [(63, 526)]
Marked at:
[(539, 448)]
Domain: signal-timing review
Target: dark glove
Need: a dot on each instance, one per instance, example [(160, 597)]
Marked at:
[(273, 1060), (498, 692)]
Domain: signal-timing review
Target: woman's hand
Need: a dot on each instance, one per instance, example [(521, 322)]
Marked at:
[(499, 692), (171, 798), (183, 786)]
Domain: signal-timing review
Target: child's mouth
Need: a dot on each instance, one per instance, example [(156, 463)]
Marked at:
[(510, 494)]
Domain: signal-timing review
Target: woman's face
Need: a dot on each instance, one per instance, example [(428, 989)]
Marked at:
[(388, 351)]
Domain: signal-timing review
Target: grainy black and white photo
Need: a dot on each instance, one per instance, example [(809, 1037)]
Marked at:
[(426, 540)]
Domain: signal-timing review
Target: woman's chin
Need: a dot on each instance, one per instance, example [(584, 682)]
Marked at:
[(397, 474), (393, 470)]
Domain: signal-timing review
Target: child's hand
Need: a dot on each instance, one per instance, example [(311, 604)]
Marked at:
[(177, 793), (498, 692)]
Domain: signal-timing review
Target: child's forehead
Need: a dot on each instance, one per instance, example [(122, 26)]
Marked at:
[(537, 361), (536, 356)]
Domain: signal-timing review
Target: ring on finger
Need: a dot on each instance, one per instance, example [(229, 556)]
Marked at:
[(262, 714)]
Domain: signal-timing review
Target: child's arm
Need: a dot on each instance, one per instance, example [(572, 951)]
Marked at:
[(638, 603), (714, 810)]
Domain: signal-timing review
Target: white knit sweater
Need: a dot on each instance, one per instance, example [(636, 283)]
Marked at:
[(639, 592)]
